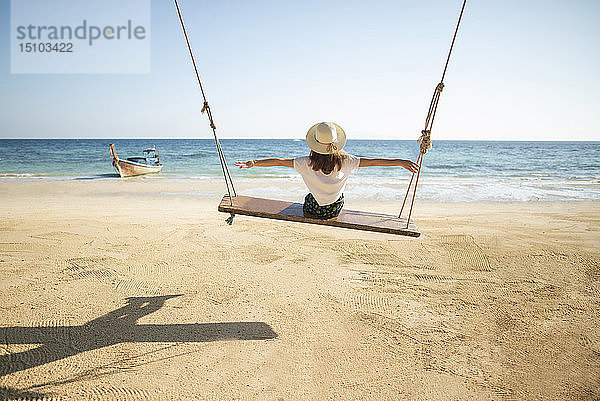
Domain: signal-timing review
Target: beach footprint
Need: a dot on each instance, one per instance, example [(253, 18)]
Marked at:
[(259, 254), (60, 236), (464, 253), (368, 253), (102, 270)]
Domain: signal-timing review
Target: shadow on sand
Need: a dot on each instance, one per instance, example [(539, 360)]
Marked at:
[(118, 326), (98, 177), (13, 394)]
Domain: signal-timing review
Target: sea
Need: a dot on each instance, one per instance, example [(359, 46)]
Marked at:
[(453, 171)]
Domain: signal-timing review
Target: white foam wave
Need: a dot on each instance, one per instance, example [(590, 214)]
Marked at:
[(17, 175), (445, 190)]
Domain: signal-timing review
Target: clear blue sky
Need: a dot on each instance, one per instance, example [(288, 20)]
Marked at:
[(522, 70)]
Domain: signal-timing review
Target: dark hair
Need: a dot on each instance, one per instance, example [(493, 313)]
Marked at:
[(327, 163)]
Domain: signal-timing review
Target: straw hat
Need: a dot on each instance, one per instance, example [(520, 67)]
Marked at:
[(326, 138)]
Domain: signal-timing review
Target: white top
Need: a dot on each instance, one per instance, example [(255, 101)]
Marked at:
[(326, 188)]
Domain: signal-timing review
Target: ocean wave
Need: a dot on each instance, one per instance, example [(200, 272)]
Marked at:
[(444, 190), (453, 170), (198, 154), (22, 175), (444, 166)]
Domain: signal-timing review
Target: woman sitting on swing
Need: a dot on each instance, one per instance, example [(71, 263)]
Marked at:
[(326, 170)]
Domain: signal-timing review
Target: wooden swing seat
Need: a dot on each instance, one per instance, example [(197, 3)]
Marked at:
[(352, 219)]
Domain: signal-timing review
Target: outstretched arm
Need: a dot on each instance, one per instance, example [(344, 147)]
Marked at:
[(272, 162), (407, 164)]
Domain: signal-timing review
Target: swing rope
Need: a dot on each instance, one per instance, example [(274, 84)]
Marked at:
[(206, 109), (425, 138)]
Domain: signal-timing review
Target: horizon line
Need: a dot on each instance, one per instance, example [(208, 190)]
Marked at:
[(302, 139)]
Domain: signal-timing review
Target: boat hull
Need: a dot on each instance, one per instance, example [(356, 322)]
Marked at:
[(129, 169)]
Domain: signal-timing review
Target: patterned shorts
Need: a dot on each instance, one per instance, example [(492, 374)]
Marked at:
[(313, 209)]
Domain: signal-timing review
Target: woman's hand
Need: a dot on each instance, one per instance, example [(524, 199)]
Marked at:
[(410, 166), (248, 164)]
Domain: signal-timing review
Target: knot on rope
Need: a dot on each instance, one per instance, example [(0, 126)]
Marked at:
[(229, 220), (440, 87), (425, 141), (213, 126), (331, 148), (204, 107)]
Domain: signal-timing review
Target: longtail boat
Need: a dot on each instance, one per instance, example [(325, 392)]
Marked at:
[(147, 164)]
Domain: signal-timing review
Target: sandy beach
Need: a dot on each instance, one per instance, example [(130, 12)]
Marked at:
[(138, 289)]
